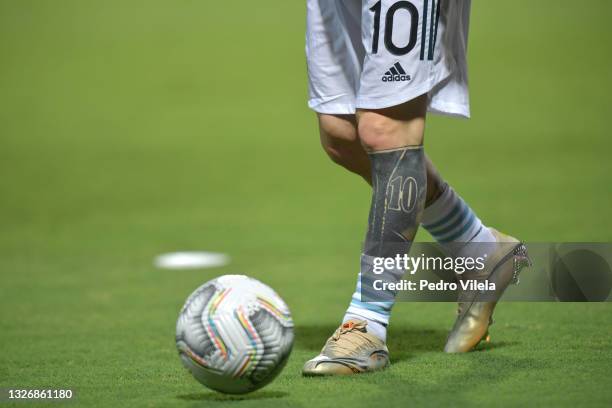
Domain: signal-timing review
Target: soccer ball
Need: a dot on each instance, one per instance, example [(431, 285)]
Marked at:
[(234, 334)]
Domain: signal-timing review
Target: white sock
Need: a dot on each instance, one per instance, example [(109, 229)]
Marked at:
[(373, 307), (452, 223)]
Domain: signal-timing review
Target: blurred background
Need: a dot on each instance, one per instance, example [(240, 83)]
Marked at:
[(133, 128)]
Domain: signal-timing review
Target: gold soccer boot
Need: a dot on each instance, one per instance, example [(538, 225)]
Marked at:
[(475, 311)]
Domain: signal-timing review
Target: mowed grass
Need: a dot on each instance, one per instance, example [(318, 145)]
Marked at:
[(131, 128)]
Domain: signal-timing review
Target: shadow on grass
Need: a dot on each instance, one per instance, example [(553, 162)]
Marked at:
[(216, 396), (403, 342), (441, 379), (484, 346)]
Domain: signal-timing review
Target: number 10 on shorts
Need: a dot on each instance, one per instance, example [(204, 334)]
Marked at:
[(402, 13)]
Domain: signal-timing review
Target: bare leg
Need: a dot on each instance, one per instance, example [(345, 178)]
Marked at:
[(341, 143)]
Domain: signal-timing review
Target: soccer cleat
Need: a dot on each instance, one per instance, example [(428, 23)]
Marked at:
[(475, 312), (351, 350)]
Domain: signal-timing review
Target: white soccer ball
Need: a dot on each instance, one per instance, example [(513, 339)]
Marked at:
[(234, 334)]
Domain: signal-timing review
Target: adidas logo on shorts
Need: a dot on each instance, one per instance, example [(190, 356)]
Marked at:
[(396, 74)]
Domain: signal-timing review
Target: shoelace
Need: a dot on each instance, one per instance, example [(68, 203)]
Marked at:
[(341, 339)]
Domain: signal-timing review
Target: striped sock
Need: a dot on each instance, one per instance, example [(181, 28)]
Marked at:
[(450, 221), (363, 306)]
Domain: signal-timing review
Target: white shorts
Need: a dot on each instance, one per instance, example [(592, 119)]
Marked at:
[(373, 54)]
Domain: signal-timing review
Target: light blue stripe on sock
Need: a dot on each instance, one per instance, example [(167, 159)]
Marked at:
[(370, 306), (456, 235), (446, 218), (373, 307), (445, 229)]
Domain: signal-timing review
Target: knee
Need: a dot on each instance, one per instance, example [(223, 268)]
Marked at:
[(376, 131), (339, 140), (339, 150), (397, 126)]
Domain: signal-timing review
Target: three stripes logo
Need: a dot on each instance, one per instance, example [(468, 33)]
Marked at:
[(396, 74)]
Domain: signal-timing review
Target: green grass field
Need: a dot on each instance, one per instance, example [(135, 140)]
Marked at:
[(131, 128)]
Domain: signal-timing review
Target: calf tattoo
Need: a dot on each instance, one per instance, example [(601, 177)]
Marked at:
[(399, 187)]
